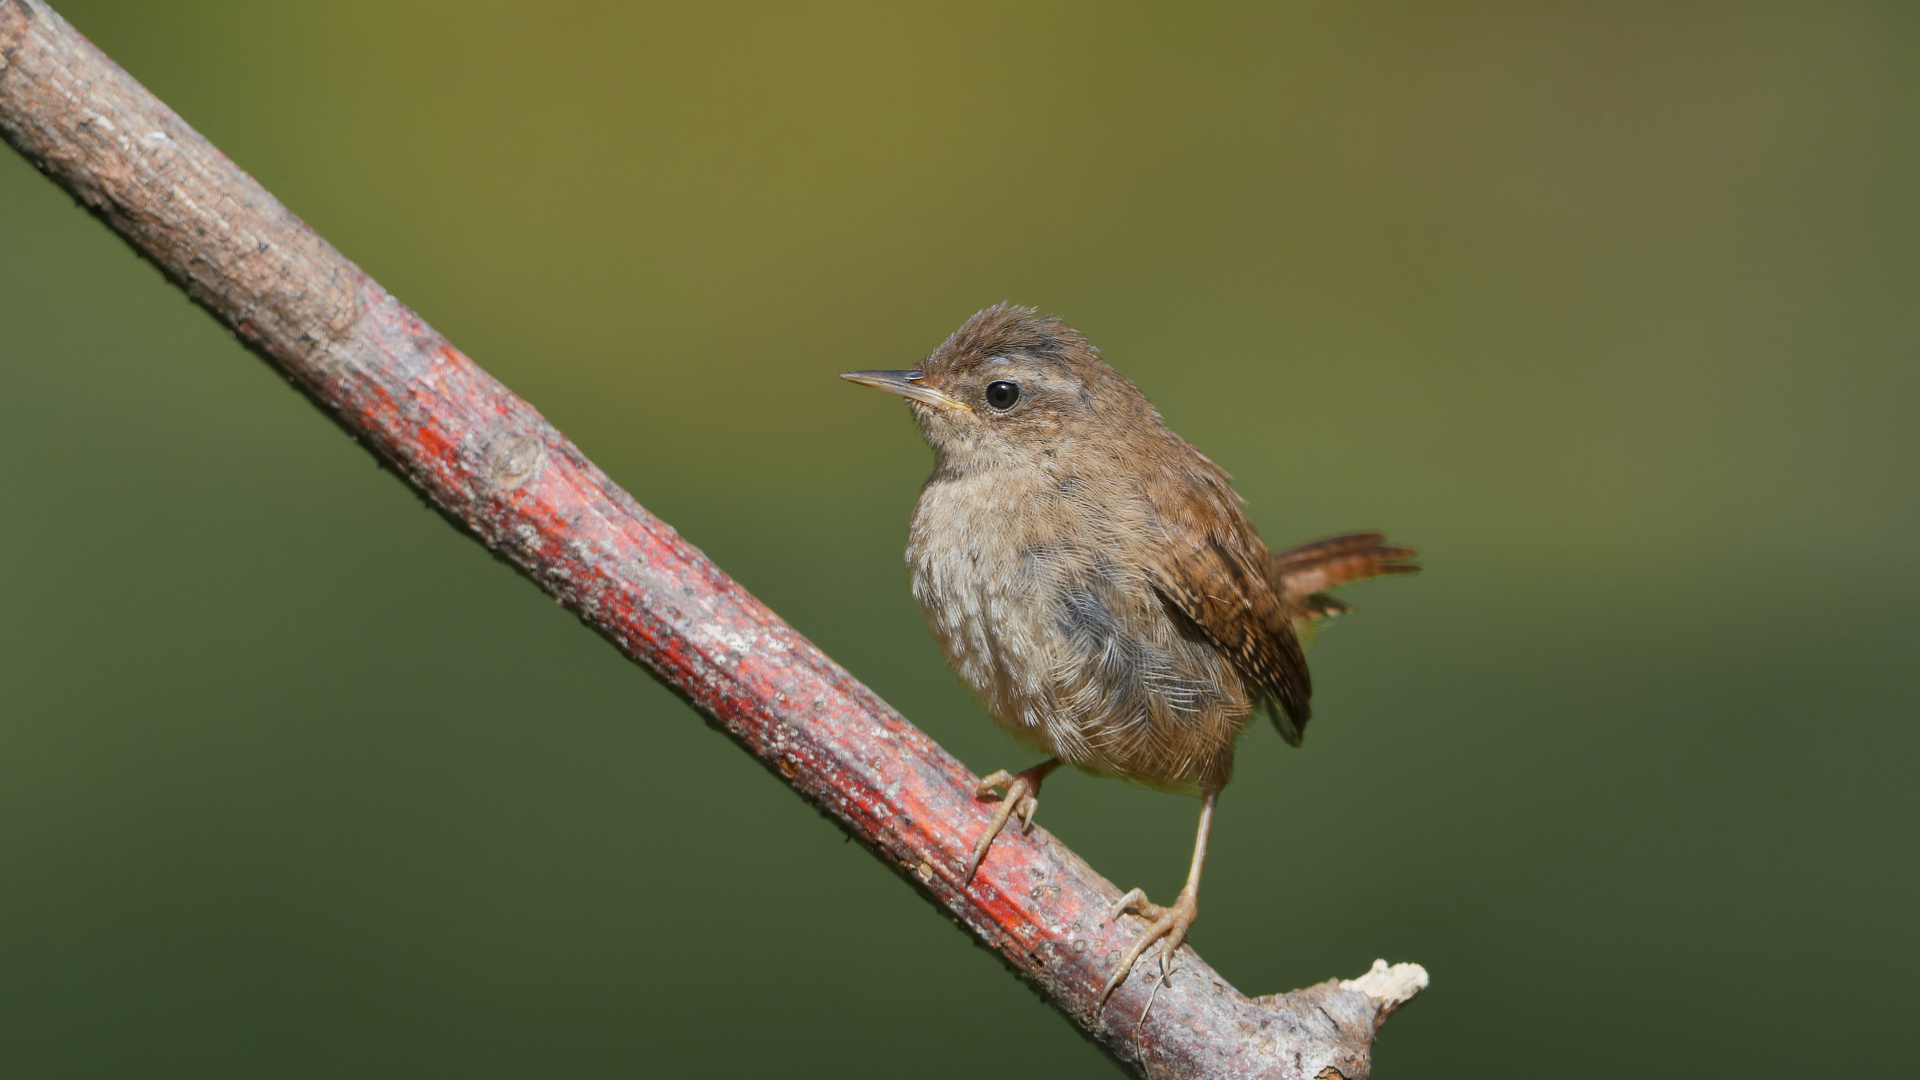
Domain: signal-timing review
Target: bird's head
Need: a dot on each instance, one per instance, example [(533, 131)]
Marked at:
[(1015, 389)]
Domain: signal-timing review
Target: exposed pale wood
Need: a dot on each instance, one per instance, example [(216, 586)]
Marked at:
[(495, 467)]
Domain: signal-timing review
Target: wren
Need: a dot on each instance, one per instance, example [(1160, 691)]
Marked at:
[(1090, 575)]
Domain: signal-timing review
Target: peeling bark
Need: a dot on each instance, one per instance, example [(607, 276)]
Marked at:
[(494, 466)]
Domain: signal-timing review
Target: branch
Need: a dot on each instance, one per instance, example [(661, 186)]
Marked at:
[(491, 464)]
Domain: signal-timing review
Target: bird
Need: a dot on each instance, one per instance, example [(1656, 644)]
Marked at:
[(1093, 579)]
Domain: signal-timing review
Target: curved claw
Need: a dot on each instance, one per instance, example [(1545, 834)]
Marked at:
[(1133, 902), (1022, 790), (1169, 925), (1016, 796), (1027, 806), (999, 779)]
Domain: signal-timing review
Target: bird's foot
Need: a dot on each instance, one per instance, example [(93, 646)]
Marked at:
[(1167, 925), (1022, 798)]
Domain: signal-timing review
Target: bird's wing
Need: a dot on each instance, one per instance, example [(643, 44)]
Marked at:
[(1210, 570)]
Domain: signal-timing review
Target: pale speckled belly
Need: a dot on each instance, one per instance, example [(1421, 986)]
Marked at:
[(1066, 648)]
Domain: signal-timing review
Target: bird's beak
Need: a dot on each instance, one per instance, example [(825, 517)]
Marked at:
[(907, 384)]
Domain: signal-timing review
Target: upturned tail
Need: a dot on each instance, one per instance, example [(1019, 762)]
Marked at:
[(1304, 574)]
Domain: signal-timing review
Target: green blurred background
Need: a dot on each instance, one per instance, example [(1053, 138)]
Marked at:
[(1613, 309)]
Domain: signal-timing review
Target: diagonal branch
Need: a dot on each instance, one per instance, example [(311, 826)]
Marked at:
[(491, 464)]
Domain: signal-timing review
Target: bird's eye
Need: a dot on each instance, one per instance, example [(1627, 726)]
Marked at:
[(1002, 395)]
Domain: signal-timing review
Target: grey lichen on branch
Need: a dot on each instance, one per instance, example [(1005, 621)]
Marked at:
[(1390, 986), (493, 465)]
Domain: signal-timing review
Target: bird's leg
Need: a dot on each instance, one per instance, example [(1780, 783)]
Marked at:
[(1167, 924), (1022, 797)]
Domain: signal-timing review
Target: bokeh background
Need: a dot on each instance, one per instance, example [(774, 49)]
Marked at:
[(1612, 308)]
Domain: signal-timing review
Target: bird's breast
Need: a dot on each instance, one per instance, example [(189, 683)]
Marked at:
[(980, 553), (1042, 610)]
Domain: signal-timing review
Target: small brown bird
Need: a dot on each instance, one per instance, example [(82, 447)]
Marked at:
[(1091, 577)]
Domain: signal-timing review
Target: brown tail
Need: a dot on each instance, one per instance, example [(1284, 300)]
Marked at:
[(1306, 572)]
